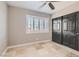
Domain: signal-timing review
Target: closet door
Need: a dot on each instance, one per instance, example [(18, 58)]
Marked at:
[(77, 30), (56, 30), (69, 30)]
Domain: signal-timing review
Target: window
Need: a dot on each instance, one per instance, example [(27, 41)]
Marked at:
[(29, 24), (41, 25), (46, 25), (35, 24)]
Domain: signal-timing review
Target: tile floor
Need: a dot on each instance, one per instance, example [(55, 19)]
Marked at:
[(45, 49)]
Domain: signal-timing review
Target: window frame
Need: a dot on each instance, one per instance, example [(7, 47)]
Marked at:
[(39, 30)]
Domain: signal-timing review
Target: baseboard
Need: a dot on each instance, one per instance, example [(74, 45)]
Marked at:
[(19, 45), (22, 45), (4, 51)]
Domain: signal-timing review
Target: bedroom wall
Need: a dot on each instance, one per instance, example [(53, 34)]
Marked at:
[(17, 27), (3, 26)]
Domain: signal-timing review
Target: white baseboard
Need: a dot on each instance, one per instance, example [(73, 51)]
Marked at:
[(4, 51), (28, 43), (23, 45)]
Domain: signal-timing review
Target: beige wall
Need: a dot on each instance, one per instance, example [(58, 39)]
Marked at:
[(17, 27), (3, 26), (70, 9)]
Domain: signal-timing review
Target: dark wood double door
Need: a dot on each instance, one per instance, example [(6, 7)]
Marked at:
[(65, 30)]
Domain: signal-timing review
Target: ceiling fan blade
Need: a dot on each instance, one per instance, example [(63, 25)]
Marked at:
[(42, 5), (51, 6)]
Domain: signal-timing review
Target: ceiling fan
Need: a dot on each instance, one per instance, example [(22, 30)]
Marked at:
[(49, 3)]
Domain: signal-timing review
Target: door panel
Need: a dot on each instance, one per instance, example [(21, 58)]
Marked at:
[(56, 30), (77, 30), (69, 32)]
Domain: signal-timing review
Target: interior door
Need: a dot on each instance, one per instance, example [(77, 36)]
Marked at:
[(69, 27), (77, 30), (56, 30)]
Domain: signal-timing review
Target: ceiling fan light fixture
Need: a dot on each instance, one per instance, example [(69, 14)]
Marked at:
[(51, 6)]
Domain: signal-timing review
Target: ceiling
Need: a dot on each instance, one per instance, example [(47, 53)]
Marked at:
[(34, 5)]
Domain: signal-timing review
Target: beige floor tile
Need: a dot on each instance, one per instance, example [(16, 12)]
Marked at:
[(46, 49)]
